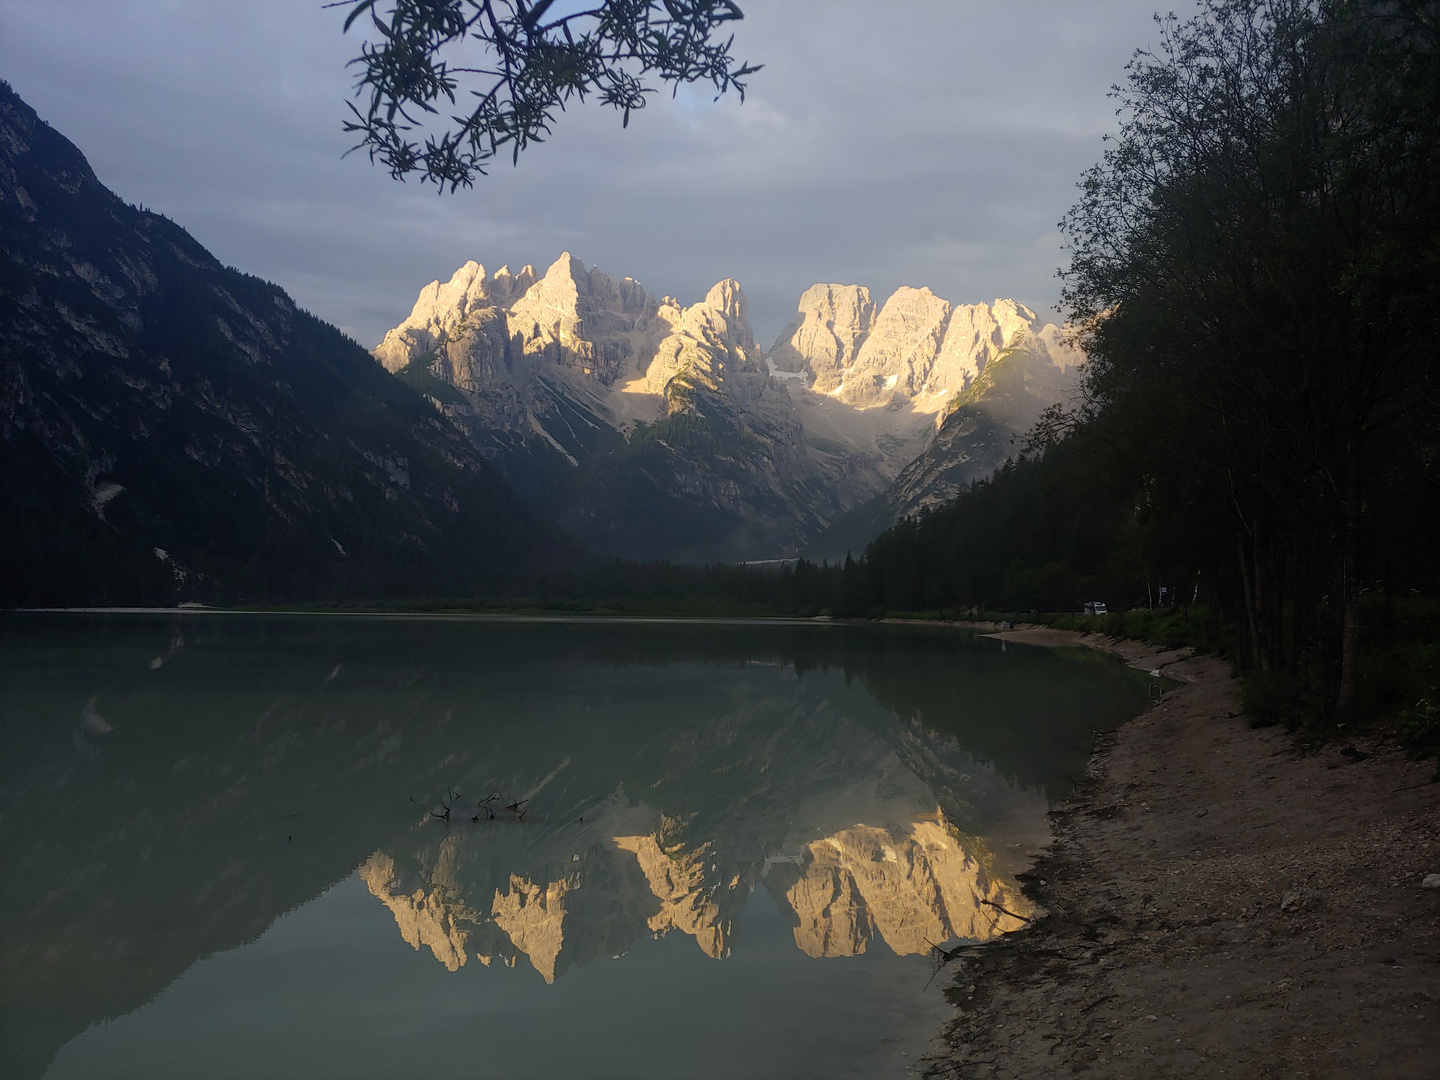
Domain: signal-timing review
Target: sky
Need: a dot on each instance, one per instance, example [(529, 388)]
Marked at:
[(885, 143)]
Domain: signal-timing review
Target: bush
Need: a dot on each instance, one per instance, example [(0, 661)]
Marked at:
[(1275, 698), (1419, 726)]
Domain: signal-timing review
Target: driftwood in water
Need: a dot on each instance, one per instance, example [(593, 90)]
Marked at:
[(1007, 911)]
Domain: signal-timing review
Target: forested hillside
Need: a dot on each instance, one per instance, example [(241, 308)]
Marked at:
[(1255, 268)]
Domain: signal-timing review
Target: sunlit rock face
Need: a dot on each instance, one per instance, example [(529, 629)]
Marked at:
[(875, 387), (493, 334), (914, 889), (897, 357), (824, 339), (977, 333), (423, 916), (583, 320), (709, 347), (936, 397), (532, 917), (917, 347), (979, 427), (442, 310), (480, 334)]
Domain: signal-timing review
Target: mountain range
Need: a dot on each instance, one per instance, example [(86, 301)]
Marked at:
[(653, 430)]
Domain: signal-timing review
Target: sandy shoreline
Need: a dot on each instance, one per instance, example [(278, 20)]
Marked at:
[(1221, 905)]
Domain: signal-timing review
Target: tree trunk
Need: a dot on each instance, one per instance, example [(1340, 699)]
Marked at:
[(1350, 596), (1257, 654)]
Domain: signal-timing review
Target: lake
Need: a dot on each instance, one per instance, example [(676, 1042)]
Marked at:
[(242, 846)]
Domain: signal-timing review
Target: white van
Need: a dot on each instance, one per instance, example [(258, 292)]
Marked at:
[(1095, 607)]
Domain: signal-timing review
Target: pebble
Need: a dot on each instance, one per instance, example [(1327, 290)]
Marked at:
[(1432, 881)]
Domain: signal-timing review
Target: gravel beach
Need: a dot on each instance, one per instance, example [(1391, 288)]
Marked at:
[(1221, 903)]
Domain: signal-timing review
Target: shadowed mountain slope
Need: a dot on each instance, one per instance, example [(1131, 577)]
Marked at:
[(174, 429)]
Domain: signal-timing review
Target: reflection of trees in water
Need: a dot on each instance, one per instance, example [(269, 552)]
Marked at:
[(1030, 712)]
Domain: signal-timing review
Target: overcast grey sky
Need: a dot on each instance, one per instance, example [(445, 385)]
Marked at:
[(886, 143)]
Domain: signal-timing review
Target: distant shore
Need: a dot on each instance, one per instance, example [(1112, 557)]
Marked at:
[(1222, 903)]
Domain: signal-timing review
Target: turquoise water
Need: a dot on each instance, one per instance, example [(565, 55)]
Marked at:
[(253, 846)]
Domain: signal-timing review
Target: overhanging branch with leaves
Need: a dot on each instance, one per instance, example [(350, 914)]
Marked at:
[(445, 86)]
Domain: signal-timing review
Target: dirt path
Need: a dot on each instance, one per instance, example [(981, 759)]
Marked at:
[(1221, 905)]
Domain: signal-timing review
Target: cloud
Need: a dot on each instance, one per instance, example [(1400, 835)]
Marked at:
[(909, 142)]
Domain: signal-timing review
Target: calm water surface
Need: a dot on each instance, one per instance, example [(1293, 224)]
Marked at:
[(672, 849)]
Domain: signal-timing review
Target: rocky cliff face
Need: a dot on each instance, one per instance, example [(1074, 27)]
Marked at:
[(483, 330), (916, 349), (174, 429), (825, 338)]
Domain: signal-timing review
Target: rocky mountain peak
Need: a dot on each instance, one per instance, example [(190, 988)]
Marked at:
[(726, 311), (1012, 315), (824, 338), (729, 299), (510, 287), (900, 351), (631, 420), (918, 348), (706, 345), (582, 319), (442, 311)]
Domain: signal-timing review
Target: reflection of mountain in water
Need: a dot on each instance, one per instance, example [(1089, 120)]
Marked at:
[(915, 890), (820, 810), (225, 770)]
